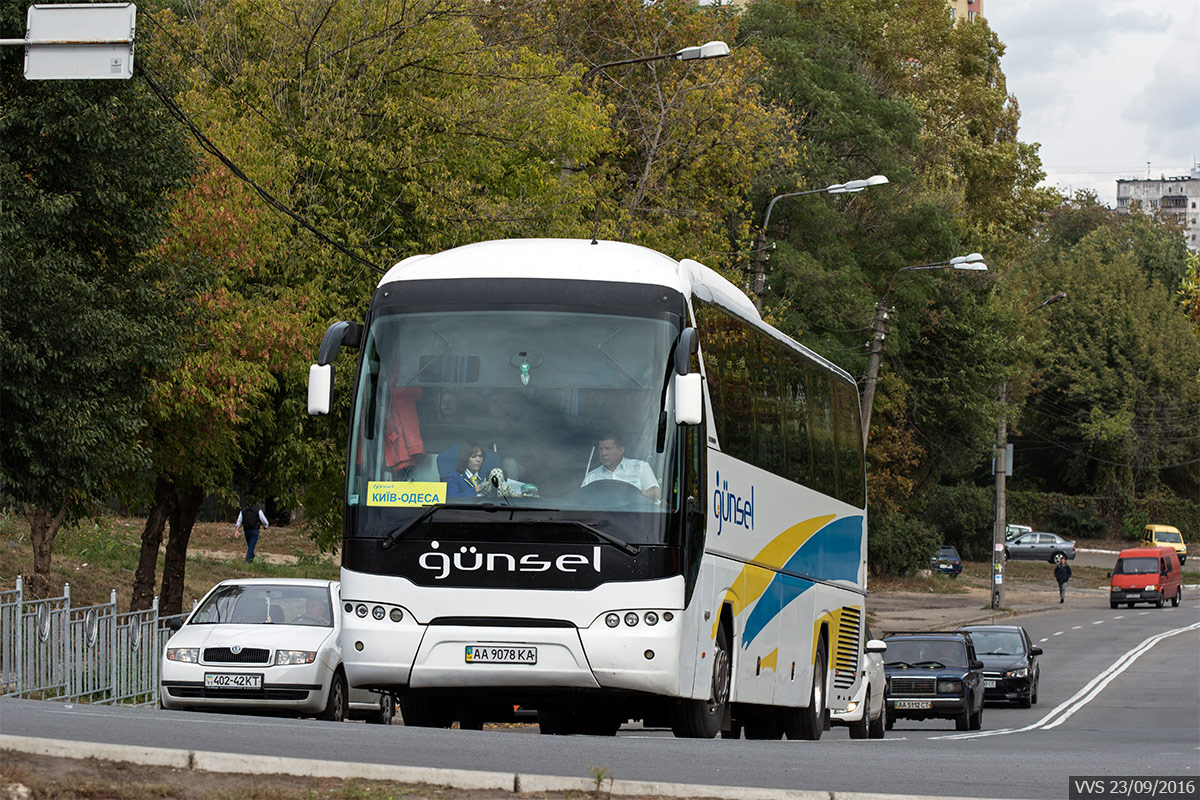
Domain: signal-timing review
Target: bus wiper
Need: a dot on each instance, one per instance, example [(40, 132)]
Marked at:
[(390, 540), (622, 545)]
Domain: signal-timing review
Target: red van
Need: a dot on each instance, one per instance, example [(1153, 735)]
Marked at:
[(1146, 575)]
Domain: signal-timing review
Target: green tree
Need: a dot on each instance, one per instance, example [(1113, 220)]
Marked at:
[(1117, 397), (86, 174)]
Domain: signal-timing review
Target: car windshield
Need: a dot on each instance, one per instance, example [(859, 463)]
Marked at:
[(924, 652), (1168, 536), (998, 643), (266, 604), (1140, 565)]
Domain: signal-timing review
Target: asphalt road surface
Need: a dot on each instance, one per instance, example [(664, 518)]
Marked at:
[(1119, 695)]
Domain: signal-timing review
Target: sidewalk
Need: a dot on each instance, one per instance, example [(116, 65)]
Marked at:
[(917, 611)]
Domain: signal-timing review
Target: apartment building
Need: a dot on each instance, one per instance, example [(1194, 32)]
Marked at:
[(965, 10), (1177, 197)]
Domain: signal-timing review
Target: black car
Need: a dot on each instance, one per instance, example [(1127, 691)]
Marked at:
[(932, 675), (946, 561), (1010, 663)]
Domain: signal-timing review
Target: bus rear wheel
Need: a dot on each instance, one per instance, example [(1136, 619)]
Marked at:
[(701, 719), (809, 723)]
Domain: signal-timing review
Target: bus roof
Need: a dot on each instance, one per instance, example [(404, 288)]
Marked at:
[(588, 259)]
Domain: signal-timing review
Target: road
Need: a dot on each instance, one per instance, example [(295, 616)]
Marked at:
[(1143, 720)]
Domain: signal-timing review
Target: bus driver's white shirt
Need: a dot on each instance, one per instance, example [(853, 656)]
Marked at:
[(630, 470)]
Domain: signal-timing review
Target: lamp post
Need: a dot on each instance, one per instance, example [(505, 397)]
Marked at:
[(714, 49), (972, 262), (1000, 525), (760, 243)]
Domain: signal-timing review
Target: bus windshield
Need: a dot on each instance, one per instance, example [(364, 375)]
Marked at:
[(528, 408)]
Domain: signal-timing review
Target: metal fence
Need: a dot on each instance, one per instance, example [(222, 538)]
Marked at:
[(51, 651)]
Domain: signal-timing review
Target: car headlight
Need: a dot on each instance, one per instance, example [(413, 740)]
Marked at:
[(1152, 588), (287, 658), (949, 687), (1115, 589), (1020, 672), (188, 655)]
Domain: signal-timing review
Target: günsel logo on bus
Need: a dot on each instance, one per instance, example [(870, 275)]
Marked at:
[(731, 507), (470, 559)]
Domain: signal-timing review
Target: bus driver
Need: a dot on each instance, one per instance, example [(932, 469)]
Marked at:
[(615, 467)]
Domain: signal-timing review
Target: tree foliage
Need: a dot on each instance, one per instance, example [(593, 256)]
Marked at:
[(86, 174)]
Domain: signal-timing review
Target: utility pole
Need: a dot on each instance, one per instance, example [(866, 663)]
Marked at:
[(878, 334), (1001, 523)]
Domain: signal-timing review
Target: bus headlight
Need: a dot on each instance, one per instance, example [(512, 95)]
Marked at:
[(612, 620), (631, 619), (651, 618)]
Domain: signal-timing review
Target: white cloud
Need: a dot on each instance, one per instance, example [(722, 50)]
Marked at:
[(1103, 87)]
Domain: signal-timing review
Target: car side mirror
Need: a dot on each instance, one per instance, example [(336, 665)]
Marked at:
[(175, 623), (1108, 574), (976, 663), (1035, 651), (876, 646)]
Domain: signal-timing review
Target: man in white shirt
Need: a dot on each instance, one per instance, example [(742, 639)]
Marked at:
[(250, 520), (615, 467)]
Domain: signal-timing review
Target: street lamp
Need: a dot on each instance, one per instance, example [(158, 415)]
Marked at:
[(1000, 525), (973, 262), (760, 245), (715, 49)]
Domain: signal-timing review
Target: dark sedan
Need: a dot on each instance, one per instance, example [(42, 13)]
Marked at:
[(934, 674), (1010, 663), (1039, 546)]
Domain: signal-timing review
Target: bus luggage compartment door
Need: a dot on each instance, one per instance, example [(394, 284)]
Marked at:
[(454, 656)]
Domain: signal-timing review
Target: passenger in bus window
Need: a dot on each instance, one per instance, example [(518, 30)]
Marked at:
[(467, 481), (615, 467)]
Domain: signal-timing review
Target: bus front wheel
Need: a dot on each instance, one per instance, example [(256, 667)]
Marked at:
[(701, 719)]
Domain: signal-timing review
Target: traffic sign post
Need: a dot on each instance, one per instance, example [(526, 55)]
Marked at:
[(78, 41)]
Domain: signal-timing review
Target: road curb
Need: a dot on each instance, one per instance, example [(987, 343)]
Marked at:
[(515, 783)]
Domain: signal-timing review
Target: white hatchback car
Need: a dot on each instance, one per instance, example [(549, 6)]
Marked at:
[(866, 716), (266, 644)]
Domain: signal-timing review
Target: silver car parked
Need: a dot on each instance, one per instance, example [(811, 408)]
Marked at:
[(1039, 546)]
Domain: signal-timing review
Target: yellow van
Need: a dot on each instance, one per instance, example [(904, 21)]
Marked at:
[(1165, 536)]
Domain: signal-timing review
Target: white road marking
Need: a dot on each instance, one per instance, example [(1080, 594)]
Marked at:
[(1076, 627), (1098, 622), (1044, 640), (1119, 616), (1065, 710), (1058, 633)]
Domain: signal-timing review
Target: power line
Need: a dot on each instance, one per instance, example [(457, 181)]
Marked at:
[(212, 149)]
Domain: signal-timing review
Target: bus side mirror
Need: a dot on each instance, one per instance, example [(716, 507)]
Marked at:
[(687, 346), (689, 399), (320, 389)]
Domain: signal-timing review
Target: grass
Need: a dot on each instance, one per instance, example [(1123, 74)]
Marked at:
[(98, 556)]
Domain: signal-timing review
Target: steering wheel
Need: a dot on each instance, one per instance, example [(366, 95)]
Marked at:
[(614, 493)]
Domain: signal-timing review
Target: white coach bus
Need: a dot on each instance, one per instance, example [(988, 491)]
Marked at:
[(585, 478)]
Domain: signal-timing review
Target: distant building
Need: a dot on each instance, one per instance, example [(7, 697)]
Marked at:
[(965, 10), (1173, 197)]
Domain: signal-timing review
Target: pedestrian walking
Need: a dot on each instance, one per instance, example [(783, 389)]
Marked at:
[(250, 521), (1062, 574)]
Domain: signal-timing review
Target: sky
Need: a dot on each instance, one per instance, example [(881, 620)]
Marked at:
[(1104, 86)]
